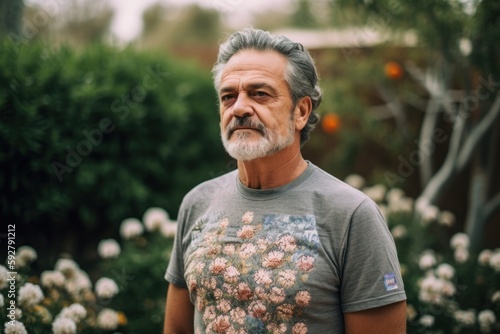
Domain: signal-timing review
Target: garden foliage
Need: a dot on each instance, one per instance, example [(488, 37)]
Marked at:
[(451, 288), (89, 138), (127, 297)]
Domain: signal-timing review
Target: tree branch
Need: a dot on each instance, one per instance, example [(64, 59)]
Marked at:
[(426, 132), (477, 134), (440, 180), (430, 81), (396, 107)]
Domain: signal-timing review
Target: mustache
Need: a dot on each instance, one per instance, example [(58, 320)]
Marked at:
[(244, 122)]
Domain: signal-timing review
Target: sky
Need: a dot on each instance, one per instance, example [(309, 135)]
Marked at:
[(127, 21)]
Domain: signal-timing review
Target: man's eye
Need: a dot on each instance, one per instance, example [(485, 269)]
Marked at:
[(225, 98), (260, 94)]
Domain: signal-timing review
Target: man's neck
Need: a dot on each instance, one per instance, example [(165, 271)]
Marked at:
[(272, 171)]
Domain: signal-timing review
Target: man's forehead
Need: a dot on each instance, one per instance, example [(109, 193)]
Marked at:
[(255, 67), (248, 59)]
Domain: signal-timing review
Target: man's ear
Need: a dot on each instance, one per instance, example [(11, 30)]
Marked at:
[(302, 111)]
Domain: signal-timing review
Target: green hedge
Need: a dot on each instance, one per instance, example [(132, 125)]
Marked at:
[(90, 138)]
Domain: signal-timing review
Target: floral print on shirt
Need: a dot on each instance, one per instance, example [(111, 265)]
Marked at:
[(249, 276)]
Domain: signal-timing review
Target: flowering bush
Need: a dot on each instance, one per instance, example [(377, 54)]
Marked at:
[(137, 264), (450, 288), (63, 300)]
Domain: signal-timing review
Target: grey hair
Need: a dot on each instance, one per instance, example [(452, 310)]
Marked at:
[(301, 75)]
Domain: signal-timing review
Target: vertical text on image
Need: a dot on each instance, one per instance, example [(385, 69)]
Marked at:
[(11, 264)]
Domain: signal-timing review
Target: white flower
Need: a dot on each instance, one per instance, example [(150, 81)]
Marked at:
[(427, 320), (168, 229), (130, 228), (446, 218), (459, 240), (394, 195), (398, 231), (461, 255), (431, 290), (78, 283), (108, 248), (355, 180), (107, 319), (51, 279), (106, 287), (75, 312), (15, 327), (429, 214), (82, 280), (64, 326), (495, 261), (406, 204), (67, 266), (25, 255), (376, 193), (486, 318), (4, 276), (427, 260), (448, 288), (402, 204), (445, 271), (467, 318), (484, 257), (495, 298), (29, 295), (19, 313), (421, 203), (154, 218), (465, 46), (2, 302)]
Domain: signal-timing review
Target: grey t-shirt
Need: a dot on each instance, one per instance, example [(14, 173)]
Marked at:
[(286, 260)]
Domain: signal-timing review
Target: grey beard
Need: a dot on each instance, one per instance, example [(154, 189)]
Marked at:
[(243, 149)]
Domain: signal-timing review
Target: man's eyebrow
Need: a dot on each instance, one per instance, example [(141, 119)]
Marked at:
[(251, 86), (259, 85)]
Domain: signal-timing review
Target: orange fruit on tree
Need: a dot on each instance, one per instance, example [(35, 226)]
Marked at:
[(330, 123), (393, 70)]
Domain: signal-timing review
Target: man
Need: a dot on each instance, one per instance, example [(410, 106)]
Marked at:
[(278, 246)]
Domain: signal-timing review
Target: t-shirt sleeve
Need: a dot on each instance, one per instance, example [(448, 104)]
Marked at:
[(371, 275), (175, 269)]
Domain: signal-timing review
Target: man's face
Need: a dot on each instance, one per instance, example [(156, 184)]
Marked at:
[(255, 105)]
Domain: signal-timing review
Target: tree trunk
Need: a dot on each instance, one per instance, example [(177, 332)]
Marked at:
[(425, 139), (476, 220), (459, 155)]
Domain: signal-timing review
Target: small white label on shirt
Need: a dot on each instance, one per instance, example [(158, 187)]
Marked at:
[(390, 282)]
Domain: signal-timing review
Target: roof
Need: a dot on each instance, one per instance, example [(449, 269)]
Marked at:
[(348, 37)]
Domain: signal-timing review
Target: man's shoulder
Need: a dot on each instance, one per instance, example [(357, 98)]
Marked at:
[(329, 183), (329, 187), (212, 187)]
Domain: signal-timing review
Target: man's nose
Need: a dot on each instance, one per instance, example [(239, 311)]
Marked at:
[(242, 106)]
